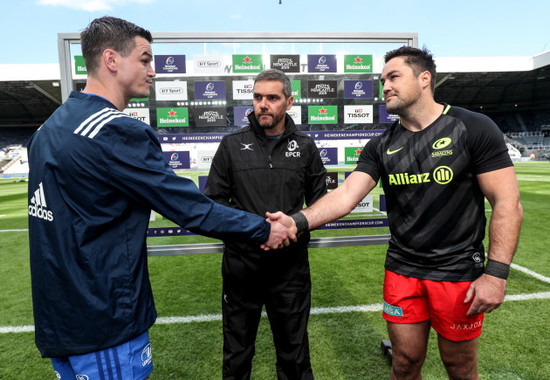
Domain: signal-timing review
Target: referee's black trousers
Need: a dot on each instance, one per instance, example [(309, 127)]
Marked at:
[(280, 281)]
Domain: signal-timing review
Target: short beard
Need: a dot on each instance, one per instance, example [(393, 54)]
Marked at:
[(272, 124), (396, 109)]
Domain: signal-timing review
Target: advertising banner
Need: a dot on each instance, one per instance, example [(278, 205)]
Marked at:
[(209, 90), (352, 155), (210, 117), (177, 160), (365, 205), (208, 64), (240, 115), (296, 88), (321, 63), (243, 89), (358, 114), (358, 63), (332, 180), (329, 156), (141, 114), (386, 117), (204, 159), (170, 64), (286, 63), (322, 114), (172, 117), (80, 65), (250, 63), (295, 112), (324, 89), (357, 89), (170, 90)]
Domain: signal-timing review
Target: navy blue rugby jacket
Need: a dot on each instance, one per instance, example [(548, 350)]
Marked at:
[(95, 175)]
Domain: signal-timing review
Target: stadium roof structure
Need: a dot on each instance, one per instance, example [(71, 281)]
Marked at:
[(29, 93)]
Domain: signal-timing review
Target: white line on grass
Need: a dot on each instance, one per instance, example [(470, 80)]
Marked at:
[(315, 310), (531, 273), (22, 230)]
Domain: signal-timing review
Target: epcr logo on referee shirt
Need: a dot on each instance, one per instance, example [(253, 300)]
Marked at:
[(292, 146)]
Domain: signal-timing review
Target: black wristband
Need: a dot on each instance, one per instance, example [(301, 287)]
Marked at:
[(497, 269), (301, 221)]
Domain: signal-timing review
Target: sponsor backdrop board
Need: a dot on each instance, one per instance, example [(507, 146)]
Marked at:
[(198, 98)]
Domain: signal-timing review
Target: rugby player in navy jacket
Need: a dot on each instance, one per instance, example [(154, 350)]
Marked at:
[(95, 174)]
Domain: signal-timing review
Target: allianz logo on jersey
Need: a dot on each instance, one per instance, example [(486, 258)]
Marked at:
[(441, 175), (38, 207)]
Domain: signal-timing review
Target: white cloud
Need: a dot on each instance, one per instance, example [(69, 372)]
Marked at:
[(91, 5)]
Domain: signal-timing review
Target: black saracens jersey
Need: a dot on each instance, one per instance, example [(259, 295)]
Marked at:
[(436, 209)]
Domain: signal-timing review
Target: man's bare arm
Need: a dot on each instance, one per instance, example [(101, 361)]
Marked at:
[(333, 205), (500, 187)]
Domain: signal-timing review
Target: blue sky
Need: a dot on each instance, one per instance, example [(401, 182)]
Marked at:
[(448, 28)]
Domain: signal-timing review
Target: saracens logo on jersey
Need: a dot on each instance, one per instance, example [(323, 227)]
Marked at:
[(291, 147), (38, 207), (439, 146)]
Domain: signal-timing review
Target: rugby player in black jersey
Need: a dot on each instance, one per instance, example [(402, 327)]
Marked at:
[(437, 164)]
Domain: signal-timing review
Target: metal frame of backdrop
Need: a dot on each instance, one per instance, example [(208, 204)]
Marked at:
[(68, 40)]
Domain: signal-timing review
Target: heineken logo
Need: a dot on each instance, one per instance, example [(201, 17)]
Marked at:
[(323, 114), (358, 63), (172, 117), (251, 63)]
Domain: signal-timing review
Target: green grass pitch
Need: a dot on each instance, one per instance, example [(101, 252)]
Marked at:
[(345, 327)]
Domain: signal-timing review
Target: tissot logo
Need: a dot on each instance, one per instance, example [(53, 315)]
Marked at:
[(358, 114)]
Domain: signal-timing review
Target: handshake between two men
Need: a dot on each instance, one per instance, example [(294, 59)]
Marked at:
[(283, 231)]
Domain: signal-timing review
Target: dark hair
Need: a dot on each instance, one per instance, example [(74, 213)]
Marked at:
[(419, 60), (109, 33), (272, 74)]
